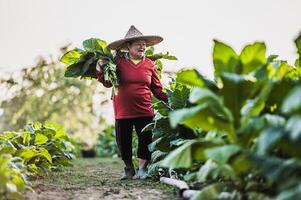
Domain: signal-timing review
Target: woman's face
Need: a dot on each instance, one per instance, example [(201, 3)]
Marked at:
[(137, 48)]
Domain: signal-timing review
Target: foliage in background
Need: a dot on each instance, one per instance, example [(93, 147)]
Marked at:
[(106, 143), (42, 93), (35, 149), (244, 128)]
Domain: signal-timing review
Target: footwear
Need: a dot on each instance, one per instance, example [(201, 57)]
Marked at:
[(128, 173), (142, 173)]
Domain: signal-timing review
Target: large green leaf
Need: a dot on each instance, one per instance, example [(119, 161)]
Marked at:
[(268, 139), (292, 102), (91, 63), (40, 139), (179, 98), (190, 77), (205, 117), (74, 70), (71, 57), (162, 127), (94, 45), (252, 57), (236, 90), (293, 128), (26, 153), (185, 155), (222, 154), (162, 144), (213, 171), (224, 58)]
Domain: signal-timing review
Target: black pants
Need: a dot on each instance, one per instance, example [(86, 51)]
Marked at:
[(124, 129)]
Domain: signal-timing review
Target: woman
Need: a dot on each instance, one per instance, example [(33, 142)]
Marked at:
[(132, 105)]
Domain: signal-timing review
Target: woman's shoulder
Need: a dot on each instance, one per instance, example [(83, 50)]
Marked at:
[(149, 62)]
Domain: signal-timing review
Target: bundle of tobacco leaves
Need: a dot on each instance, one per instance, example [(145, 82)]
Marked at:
[(82, 63)]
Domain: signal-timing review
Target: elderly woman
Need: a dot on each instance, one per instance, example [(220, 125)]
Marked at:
[(132, 105)]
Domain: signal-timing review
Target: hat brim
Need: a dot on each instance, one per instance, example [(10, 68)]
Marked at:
[(150, 40)]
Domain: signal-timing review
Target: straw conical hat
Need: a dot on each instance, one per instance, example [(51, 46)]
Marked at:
[(134, 34)]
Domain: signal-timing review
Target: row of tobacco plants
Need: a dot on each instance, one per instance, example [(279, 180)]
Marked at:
[(237, 137), (35, 149)]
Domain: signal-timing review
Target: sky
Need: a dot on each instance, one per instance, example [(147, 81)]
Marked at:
[(40, 27)]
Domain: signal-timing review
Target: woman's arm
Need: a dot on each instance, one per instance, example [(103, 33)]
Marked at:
[(156, 86)]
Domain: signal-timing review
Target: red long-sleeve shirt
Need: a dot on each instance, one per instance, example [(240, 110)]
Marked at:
[(136, 82)]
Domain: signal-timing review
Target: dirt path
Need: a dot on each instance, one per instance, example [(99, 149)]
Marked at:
[(91, 179)]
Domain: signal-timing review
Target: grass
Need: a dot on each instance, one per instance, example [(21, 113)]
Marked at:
[(99, 176)]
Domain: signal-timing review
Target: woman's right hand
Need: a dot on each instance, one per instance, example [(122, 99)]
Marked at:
[(101, 62), (99, 72)]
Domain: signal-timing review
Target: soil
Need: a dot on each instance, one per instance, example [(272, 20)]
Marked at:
[(96, 178)]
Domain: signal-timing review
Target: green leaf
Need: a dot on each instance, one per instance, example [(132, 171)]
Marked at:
[(213, 191), (205, 117), (224, 58), (176, 117), (213, 171), (94, 45), (293, 128), (268, 139), (253, 56), (150, 50), (74, 70), (185, 155), (200, 95), (161, 107), (162, 127), (241, 163), (236, 90), (278, 170), (71, 57), (292, 102), (45, 154), (26, 153), (150, 54), (7, 147), (162, 144), (40, 139), (26, 138), (8, 135), (291, 193), (91, 63), (179, 98), (190, 77), (222, 154), (279, 70)]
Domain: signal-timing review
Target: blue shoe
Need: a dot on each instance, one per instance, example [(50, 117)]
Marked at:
[(142, 174)]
